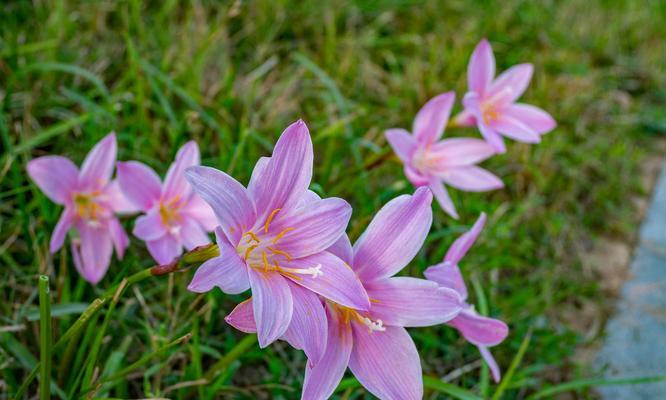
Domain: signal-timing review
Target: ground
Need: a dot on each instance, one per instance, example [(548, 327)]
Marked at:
[(232, 75)]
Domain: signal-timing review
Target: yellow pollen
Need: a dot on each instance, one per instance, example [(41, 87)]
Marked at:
[(265, 260), (280, 252), (489, 114), (270, 218), (279, 235)]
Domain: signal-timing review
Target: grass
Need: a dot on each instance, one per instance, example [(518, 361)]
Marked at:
[(232, 76)]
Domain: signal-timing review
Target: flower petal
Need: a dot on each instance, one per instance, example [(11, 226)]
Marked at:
[(464, 118), (242, 317), (118, 237), (535, 118), (490, 361), (431, 120), (460, 152), (337, 281), (312, 227), (228, 199), (471, 179), (149, 227), (492, 137), (97, 168), (402, 142), (480, 330), (200, 210), (62, 227), (228, 271), (442, 197), (192, 234), (288, 172), (516, 78), (322, 378), (342, 248), (411, 302), (460, 247), (387, 363), (95, 251), (257, 176), (139, 183), (448, 275), (175, 184), (272, 304), (481, 68), (164, 249), (515, 129), (56, 176), (394, 236), (308, 329), (115, 199)]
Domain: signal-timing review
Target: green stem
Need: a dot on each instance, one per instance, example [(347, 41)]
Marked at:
[(44, 338), (238, 350)]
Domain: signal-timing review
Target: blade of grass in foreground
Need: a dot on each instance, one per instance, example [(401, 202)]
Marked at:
[(512, 368), (44, 338), (590, 382), (449, 389)]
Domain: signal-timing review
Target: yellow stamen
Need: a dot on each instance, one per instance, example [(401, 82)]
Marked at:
[(270, 218), (280, 252), (253, 236), (263, 257), (249, 250), (279, 235)]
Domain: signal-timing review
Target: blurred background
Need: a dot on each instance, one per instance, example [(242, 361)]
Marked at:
[(232, 75)]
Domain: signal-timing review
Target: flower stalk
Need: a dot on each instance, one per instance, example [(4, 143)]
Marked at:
[(45, 339)]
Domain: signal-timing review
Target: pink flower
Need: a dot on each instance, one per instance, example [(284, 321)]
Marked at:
[(491, 104), (433, 163), (478, 330), (273, 237), (373, 343), (175, 216), (90, 199)]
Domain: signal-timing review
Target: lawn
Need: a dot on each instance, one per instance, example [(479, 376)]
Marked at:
[(232, 75)]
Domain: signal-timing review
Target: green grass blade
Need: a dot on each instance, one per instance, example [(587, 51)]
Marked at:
[(45, 340), (592, 382), (512, 368), (449, 388)]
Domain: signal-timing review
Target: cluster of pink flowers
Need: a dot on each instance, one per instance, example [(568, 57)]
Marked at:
[(341, 304)]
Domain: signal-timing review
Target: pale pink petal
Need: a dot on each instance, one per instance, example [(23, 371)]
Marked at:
[(515, 129), (139, 183), (228, 271), (411, 302), (490, 361), (342, 248), (118, 237), (175, 184), (516, 78), (228, 199), (272, 304), (56, 176), (431, 120), (481, 68), (164, 249), (242, 317), (257, 176), (471, 179), (308, 329), (288, 172), (149, 227), (96, 249), (62, 227), (322, 378), (192, 234), (311, 228), (336, 281), (460, 247), (116, 200), (448, 275), (460, 152), (415, 177), (402, 142), (198, 209), (535, 118), (492, 137), (480, 330), (97, 168), (465, 118), (387, 363), (394, 236), (442, 197)]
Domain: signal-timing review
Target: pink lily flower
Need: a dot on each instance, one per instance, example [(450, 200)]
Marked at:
[(174, 215), (374, 342), (491, 104), (433, 163), (272, 241), (477, 329), (90, 199)]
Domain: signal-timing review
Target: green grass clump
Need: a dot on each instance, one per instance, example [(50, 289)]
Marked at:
[(232, 75)]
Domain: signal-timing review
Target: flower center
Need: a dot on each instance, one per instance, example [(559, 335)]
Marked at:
[(261, 251), (489, 113), (348, 315), (87, 207), (424, 160), (170, 214)]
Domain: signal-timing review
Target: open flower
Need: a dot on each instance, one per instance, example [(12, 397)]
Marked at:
[(90, 199), (491, 104), (433, 163), (175, 215), (373, 342), (272, 241), (477, 329)]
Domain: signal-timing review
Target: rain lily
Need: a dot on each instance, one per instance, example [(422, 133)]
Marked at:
[(273, 238), (174, 215), (477, 329), (374, 343), (431, 162), (491, 104), (90, 199)]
